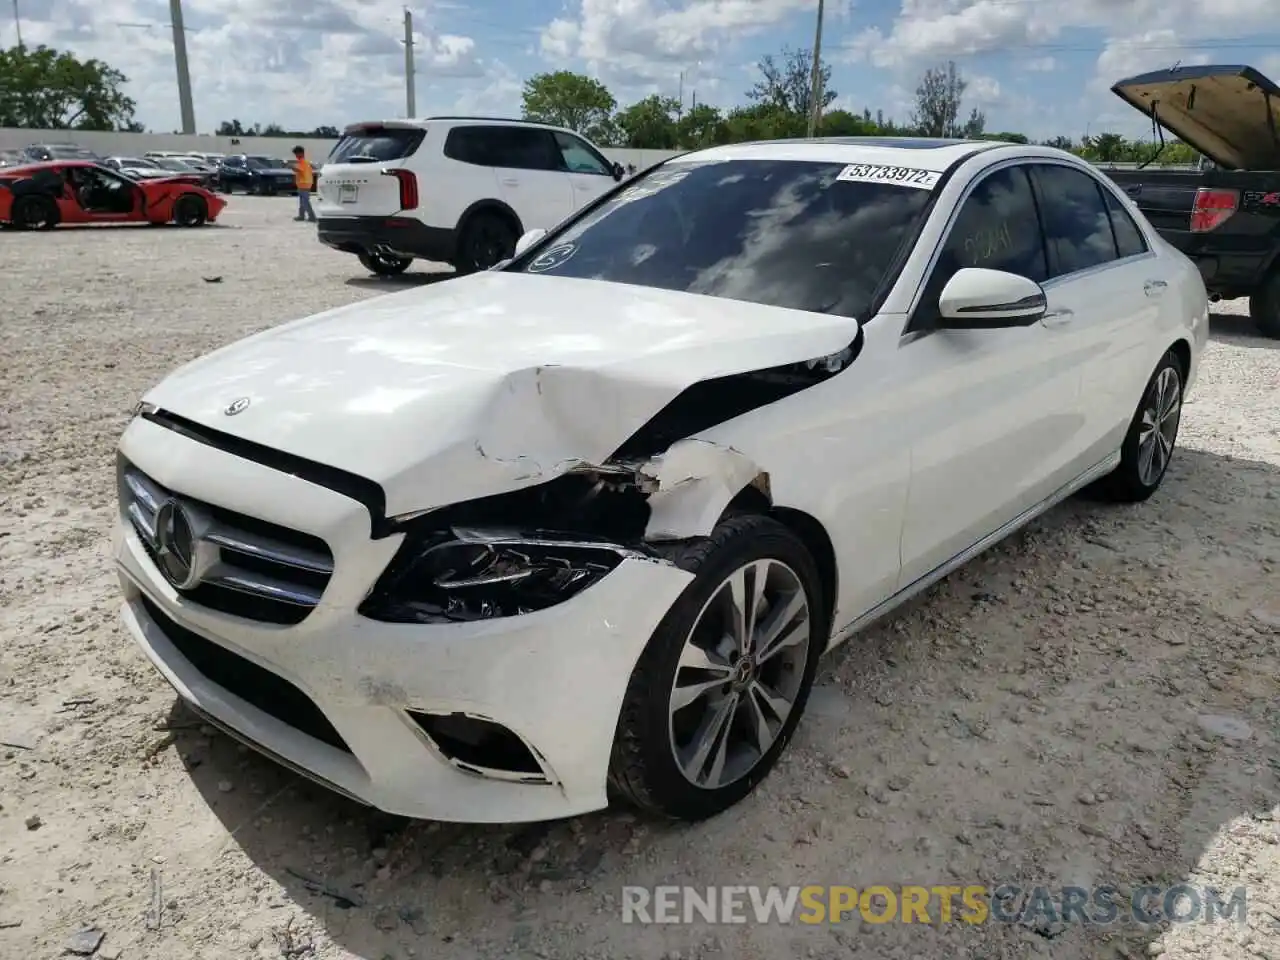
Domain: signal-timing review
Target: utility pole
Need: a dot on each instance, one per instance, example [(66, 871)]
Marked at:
[(680, 109), (410, 93), (17, 24), (184, 72), (815, 106)]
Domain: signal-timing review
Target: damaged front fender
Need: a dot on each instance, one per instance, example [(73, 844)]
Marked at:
[(690, 486)]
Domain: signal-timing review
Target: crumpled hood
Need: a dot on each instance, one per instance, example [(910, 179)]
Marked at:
[(483, 384)]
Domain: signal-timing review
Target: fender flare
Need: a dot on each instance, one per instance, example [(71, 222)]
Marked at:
[(487, 205)]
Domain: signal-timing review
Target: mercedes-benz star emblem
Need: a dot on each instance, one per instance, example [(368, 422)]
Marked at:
[(176, 545), (236, 406)]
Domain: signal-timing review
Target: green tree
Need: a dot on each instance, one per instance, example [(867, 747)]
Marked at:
[(650, 124), (842, 123), (571, 100), (703, 126), (939, 98), (1105, 148), (49, 89), (786, 82)]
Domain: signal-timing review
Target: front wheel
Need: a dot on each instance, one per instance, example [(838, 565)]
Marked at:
[(384, 264), (719, 689), (1153, 433), (190, 211), (486, 240)]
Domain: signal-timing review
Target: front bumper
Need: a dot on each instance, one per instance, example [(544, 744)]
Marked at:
[(398, 236), (554, 678)]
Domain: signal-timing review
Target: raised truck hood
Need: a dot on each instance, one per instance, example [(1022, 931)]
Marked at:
[(483, 384), (1231, 114)]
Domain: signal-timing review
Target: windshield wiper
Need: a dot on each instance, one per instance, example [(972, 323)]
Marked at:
[(360, 160)]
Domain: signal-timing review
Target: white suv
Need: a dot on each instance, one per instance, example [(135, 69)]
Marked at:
[(459, 190)]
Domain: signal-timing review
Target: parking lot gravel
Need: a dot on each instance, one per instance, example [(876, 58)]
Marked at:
[(1093, 702)]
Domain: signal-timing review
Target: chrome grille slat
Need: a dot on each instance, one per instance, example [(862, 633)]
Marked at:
[(267, 587), (256, 575), (267, 549)]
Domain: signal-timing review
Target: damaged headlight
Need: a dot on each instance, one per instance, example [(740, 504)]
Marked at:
[(462, 575)]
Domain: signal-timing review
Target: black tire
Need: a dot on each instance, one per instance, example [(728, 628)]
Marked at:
[(643, 770), (383, 264), (1131, 481), (486, 239), (190, 211), (1264, 307), (34, 213)]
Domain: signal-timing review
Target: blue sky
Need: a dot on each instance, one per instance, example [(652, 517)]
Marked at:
[(1036, 66)]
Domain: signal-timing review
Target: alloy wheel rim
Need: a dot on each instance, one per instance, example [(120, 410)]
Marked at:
[(740, 673), (1159, 428)]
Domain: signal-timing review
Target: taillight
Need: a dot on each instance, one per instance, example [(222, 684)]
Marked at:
[(408, 187), (1213, 208)]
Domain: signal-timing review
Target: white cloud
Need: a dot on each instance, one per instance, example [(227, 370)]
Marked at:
[(299, 63)]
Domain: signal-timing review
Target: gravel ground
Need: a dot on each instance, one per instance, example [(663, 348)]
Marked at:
[(1046, 715)]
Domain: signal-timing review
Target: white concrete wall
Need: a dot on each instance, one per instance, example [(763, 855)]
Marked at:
[(135, 144)]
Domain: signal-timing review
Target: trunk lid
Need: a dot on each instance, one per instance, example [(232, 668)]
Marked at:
[(1231, 114), (354, 182)]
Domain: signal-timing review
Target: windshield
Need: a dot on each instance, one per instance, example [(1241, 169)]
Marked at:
[(60, 152), (172, 163), (265, 163), (783, 233)]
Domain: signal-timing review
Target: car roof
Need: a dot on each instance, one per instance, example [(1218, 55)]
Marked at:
[(934, 154), (421, 123)]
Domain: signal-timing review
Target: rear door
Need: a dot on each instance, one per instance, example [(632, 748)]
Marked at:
[(531, 175), (590, 174), (1105, 292), (353, 184)]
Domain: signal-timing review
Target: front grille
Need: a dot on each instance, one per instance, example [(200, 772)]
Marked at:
[(270, 693), (248, 567)]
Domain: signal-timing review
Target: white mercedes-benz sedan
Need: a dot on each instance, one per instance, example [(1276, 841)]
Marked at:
[(580, 527)]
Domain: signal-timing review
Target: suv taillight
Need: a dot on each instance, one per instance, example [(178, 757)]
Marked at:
[(408, 187), (1213, 208)]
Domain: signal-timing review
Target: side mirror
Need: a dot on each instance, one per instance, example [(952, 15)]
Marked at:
[(977, 298), (619, 171), (529, 239)]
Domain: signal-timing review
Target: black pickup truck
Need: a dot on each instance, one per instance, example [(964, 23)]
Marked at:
[(1226, 215)]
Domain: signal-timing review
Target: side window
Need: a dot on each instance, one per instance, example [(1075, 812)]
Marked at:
[(997, 228), (524, 148), (578, 157), (1076, 225), (1129, 239), (466, 145)]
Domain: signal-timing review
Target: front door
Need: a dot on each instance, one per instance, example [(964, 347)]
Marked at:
[(590, 174), (990, 414), (531, 176)]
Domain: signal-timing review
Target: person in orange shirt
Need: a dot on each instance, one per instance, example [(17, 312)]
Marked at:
[(303, 179)]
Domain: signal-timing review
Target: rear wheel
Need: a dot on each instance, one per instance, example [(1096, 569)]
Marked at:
[(1153, 433), (34, 213), (384, 264), (1264, 307), (486, 239), (190, 211)]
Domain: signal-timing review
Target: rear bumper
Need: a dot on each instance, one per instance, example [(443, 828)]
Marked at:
[(400, 236)]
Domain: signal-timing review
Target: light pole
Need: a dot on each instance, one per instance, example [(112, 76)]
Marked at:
[(410, 83), (184, 71), (815, 93), (185, 105), (17, 24)]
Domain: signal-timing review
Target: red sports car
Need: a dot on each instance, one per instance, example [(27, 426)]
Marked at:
[(39, 196)]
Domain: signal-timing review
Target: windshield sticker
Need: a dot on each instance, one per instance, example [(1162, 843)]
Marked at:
[(901, 176), (552, 258)]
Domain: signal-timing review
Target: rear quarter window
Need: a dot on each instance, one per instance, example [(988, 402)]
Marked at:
[(376, 145)]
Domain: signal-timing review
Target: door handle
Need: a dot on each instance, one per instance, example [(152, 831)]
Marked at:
[(510, 182), (1057, 318), (1153, 288)]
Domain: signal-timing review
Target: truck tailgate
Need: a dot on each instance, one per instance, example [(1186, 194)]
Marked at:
[(1165, 197)]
